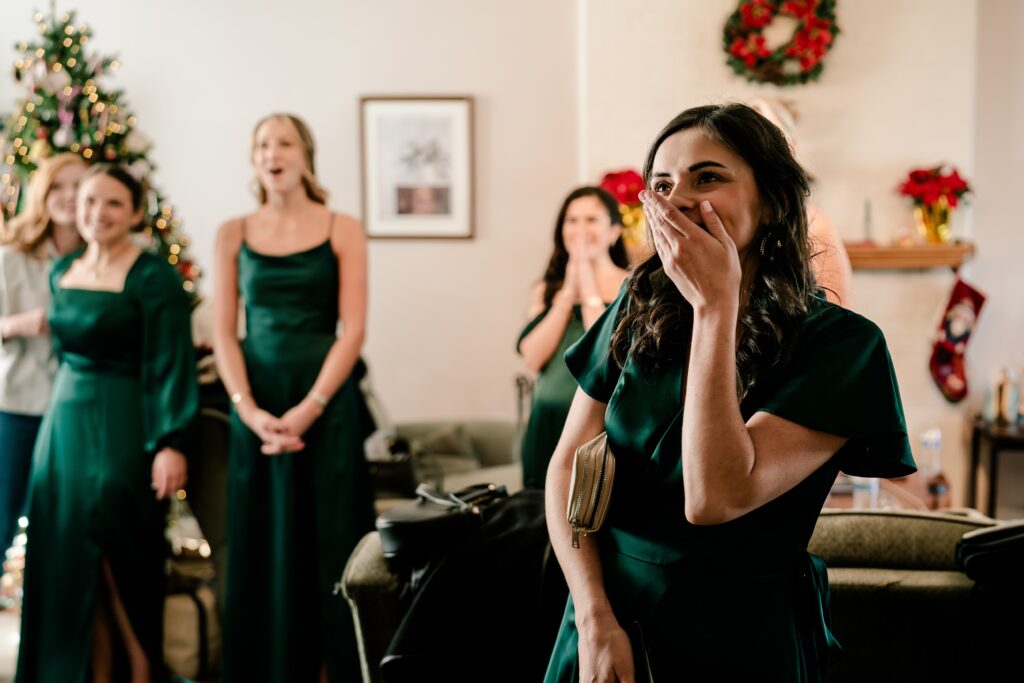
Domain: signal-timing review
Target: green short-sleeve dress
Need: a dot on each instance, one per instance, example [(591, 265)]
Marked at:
[(126, 388), (293, 519), (743, 600), (552, 396)]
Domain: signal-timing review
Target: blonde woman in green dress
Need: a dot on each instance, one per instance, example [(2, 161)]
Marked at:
[(110, 448), (732, 393), (298, 493)]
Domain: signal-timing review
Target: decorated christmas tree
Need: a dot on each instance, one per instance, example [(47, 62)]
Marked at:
[(67, 108)]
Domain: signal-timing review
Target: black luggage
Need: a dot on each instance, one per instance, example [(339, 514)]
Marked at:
[(412, 533)]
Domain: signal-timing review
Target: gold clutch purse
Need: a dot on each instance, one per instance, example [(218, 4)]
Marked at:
[(593, 471)]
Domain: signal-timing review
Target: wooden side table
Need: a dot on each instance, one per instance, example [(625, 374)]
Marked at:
[(999, 438)]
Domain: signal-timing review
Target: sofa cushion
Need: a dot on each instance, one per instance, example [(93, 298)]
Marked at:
[(492, 441), (937, 584), (373, 592), (509, 476), (891, 539), (450, 442), (899, 625)]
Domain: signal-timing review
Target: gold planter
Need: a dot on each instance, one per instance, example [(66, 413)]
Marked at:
[(933, 221)]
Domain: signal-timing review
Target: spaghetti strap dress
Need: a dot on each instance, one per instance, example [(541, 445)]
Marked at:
[(126, 388), (293, 519), (742, 600)]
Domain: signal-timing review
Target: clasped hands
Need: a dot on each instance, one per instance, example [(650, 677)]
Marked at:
[(702, 262), (281, 434), (578, 269)]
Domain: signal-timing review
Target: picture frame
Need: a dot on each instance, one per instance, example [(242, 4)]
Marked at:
[(417, 166)]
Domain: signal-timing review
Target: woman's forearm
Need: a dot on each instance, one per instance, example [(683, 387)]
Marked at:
[(338, 363), (581, 566), (591, 303), (538, 347), (227, 353), (718, 454)]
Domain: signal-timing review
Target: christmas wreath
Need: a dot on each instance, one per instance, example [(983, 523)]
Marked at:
[(796, 61)]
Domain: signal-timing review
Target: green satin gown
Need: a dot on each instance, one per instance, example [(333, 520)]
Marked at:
[(743, 600), (293, 519), (126, 388), (552, 396)]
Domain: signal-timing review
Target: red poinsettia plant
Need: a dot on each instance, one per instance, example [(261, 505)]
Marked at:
[(927, 186), (624, 185)]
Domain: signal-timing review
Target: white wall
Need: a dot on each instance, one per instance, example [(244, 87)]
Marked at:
[(897, 92), (444, 315)]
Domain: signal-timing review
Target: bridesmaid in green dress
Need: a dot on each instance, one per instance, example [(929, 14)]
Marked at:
[(109, 450), (585, 271), (298, 493), (732, 394)]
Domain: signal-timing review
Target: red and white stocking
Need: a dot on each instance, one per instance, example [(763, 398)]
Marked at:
[(958, 321)]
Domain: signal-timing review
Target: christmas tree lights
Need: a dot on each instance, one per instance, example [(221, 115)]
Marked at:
[(67, 108)]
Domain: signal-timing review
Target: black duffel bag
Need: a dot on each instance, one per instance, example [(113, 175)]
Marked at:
[(411, 533), (993, 552)]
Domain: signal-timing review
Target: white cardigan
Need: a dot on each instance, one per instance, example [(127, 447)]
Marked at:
[(27, 364)]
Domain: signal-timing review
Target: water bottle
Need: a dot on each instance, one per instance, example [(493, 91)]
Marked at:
[(931, 450), (865, 492), (931, 468)]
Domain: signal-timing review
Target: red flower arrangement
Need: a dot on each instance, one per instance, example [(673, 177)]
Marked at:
[(797, 61), (927, 186), (624, 185)]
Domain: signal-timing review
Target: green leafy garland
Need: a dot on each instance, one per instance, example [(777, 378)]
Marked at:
[(797, 61)]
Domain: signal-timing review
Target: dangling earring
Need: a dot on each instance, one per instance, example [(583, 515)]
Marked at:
[(764, 242)]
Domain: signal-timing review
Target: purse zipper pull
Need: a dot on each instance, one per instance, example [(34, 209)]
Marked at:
[(575, 536)]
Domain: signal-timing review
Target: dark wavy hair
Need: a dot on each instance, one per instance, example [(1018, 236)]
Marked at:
[(554, 275), (122, 175), (119, 172), (658, 322)]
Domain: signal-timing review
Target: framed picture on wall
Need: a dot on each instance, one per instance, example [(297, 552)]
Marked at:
[(417, 167)]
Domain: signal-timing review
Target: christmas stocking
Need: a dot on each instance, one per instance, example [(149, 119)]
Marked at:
[(947, 362)]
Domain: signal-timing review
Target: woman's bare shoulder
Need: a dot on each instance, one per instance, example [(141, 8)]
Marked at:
[(231, 233)]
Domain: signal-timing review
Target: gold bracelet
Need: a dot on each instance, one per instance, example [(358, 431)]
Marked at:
[(238, 396), (319, 398)]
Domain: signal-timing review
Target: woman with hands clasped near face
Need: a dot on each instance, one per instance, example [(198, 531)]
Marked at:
[(44, 230), (299, 496), (110, 448), (732, 393), (585, 272)]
